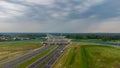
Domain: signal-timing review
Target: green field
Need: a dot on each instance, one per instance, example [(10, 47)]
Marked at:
[(10, 49), (89, 56)]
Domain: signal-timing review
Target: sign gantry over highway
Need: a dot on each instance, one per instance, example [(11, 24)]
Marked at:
[(56, 40)]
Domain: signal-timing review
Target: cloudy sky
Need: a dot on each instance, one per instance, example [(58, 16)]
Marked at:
[(60, 16)]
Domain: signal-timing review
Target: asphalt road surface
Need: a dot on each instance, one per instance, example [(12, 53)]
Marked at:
[(27, 57), (52, 61), (55, 52)]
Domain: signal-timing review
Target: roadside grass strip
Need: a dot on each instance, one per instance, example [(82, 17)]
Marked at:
[(27, 63), (84, 58), (71, 58), (61, 62), (77, 57), (67, 59)]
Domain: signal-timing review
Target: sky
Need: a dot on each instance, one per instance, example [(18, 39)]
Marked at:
[(62, 16)]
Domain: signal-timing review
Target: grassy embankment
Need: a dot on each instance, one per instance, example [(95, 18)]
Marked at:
[(89, 56), (11, 49)]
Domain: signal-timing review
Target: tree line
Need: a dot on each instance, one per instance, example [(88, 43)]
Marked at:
[(102, 36)]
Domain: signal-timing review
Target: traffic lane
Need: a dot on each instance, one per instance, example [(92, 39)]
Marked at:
[(52, 61), (37, 63), (11, 65)]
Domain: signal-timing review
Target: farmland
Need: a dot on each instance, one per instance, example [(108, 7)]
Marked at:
[(89, 56)]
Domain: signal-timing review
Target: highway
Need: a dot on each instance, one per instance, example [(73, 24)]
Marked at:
[(52, 61), (46, 62), (55, 53), (26, 57)]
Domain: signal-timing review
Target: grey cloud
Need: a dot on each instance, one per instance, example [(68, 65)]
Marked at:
[(71, 15), (59, 10)]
